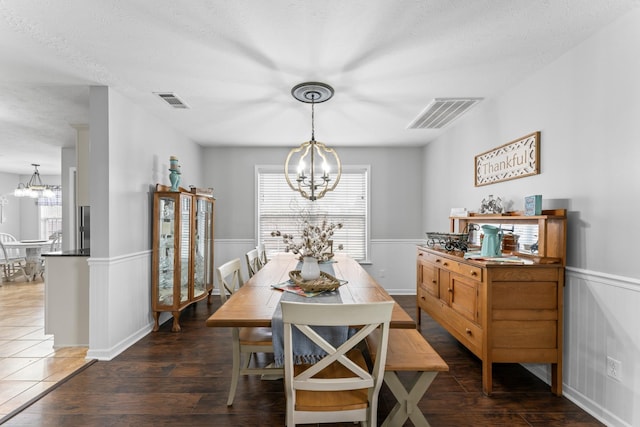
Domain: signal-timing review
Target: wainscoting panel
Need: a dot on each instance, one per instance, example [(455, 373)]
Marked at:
[(120, 303), (602, 314)]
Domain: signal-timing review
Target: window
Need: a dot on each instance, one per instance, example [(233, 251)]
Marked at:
[(280, 208), (50, 214)]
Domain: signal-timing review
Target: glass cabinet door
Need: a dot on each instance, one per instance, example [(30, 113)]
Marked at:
[(166, 217), (203, 253), (185, 246)]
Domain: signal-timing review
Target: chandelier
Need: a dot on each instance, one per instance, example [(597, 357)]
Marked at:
[(313, 161), (35, 188)]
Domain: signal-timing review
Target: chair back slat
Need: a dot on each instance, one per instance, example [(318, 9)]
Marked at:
[(253, 262), (229, 278)]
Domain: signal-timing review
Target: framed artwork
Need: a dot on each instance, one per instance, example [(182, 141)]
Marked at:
[(515, 159)]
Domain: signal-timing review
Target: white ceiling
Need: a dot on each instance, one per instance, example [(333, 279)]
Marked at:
[(235, 61)]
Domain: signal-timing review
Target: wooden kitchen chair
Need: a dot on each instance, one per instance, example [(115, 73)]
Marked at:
[(339, 387), (253, 262), (245, 341)]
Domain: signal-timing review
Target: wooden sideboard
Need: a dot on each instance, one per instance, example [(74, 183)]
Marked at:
[(502, 312)]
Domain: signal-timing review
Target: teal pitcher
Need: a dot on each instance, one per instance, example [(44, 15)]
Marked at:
[(491, 242)]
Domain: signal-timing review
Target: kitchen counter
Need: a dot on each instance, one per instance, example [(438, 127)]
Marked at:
[(66, 306), (72, 252)]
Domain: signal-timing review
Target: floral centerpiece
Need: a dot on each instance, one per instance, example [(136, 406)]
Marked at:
[(315, 240)]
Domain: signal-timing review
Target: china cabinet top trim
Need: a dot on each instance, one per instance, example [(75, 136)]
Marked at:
[(160, 188)]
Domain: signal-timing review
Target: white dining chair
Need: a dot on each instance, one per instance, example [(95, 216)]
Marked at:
[(253, 262), (246, 342), (11, 252), (12, 265), (56, 241), (262, 254), (340, 387)]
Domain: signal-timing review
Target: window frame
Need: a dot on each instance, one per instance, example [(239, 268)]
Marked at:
[(365, 169)]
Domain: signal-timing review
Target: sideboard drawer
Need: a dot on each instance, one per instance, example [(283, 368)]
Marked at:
[(467, 270)]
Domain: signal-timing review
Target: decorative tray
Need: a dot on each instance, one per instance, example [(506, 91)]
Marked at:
[(448, 241), (325, 282)]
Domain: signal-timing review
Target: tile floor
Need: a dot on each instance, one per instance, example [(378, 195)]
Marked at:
[(29, 364)]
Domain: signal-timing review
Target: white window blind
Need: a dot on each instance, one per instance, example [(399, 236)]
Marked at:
[(50, 214), (280, 208)]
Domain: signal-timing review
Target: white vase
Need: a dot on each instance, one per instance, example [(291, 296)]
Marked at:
[(310, 268)]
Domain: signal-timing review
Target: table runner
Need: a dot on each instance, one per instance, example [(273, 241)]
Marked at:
[(305, 351)]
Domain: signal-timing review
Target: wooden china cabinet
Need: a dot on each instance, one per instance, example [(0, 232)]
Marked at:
[(182, 259), (503, 312)]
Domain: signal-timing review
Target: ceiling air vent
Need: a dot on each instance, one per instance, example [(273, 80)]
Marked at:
[(172, 99), (442, 111)]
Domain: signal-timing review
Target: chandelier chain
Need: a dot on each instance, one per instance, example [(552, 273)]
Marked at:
[(313, 129)]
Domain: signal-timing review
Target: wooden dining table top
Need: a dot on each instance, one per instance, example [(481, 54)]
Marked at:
[(254, 303)]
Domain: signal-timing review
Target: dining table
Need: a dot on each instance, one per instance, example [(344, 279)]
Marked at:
[(254, 304), (33, 251)]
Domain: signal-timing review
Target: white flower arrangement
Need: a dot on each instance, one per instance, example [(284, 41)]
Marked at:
[(315, 240)]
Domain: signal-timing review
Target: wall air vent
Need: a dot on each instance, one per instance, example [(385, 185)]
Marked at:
[(442, 111), (172, 99)]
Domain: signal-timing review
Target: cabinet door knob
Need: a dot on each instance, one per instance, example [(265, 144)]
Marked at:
[(468, 331), (473, 273), (446, 264), (438, 260), (450, 290)]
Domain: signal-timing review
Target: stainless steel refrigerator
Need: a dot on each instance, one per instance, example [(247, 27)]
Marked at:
[(84, 235)]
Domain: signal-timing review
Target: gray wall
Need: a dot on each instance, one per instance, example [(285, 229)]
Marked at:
[(587, 107), (11, 208), (396, 188), (130, 151)]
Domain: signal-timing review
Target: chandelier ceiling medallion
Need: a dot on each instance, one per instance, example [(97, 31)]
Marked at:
[(35, 188), (309, 167)]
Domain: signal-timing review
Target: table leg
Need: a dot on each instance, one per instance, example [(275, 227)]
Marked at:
[(32, 269), (407, 406)]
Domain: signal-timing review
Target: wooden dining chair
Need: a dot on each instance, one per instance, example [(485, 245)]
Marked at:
[(245, 341), (253, 262), (340, 387)]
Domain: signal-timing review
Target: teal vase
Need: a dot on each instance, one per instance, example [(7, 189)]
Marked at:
[(174, 177)]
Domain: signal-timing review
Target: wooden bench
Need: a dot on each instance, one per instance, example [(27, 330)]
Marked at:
[(408, 350)]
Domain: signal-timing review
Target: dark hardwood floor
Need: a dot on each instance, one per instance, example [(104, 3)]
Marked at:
[(182, 379)]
